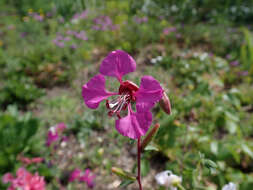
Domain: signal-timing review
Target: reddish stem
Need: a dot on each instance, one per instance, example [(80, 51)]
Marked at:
[(139, 163)]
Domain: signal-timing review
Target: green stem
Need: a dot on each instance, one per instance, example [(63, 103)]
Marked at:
[(180, 186)]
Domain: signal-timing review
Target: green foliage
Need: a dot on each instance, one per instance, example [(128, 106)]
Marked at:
[(16, 131), (246, 53)]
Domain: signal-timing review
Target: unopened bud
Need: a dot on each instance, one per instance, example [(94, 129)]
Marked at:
[(149, 136), (165, 104), (123, 174)]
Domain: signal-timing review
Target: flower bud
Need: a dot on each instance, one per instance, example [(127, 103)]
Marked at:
[(123, 174), (165, 104), (149, 136)]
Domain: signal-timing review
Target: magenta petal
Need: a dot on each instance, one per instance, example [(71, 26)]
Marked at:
[(74, 175), (134, 125), (90, 181), (117, 63), (85, 176), (51, 137), (94, 91), (149, 93)]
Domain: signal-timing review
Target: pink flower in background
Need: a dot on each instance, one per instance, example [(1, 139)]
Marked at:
[(86, 177), (74, 175), (28, 161), (54, 133), (51, 137), (117, 64), (8, 177), (60, 127), (24, 180)]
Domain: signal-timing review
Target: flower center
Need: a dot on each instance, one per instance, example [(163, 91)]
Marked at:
[(126, 95)]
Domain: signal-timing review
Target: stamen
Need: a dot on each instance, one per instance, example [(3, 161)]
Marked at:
[(115, 106)]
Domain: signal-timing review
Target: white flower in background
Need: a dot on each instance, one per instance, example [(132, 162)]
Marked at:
[(168, 179), (230, 186), (157, 59)]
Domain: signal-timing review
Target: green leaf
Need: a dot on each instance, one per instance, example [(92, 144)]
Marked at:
[(150, 147), (123, 174), (210, 164), (214, 147), (125, 183), (247, 150)]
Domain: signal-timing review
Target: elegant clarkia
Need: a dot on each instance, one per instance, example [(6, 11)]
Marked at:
[(117, 64)]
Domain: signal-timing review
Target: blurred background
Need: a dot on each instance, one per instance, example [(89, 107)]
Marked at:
[(200, 50)]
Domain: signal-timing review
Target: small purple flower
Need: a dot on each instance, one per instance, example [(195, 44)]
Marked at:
[(81, 35), (61, 20), (67, 38), (59, 37), (243, 73), (38, 17), (70, 32), (49, 14), (234, 63), (117, 64), (168, 30), (81, 15), (73, 46), (23, 34), (59, 44), (228, 56), (140, 20), (103, 23), (10, 27), (178, 36)]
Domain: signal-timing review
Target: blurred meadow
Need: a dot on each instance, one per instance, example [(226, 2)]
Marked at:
[(200, 50)]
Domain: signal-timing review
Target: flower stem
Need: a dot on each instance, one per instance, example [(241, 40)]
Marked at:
[(180, 187), (139, 163)]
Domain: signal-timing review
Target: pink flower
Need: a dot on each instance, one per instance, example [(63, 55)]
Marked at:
[(89, 179), (117, 64), (75, 175), (51, 137), (86, 177), (54, 132), (28, 161), (60, 127), (24, 180), (8, 177)]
